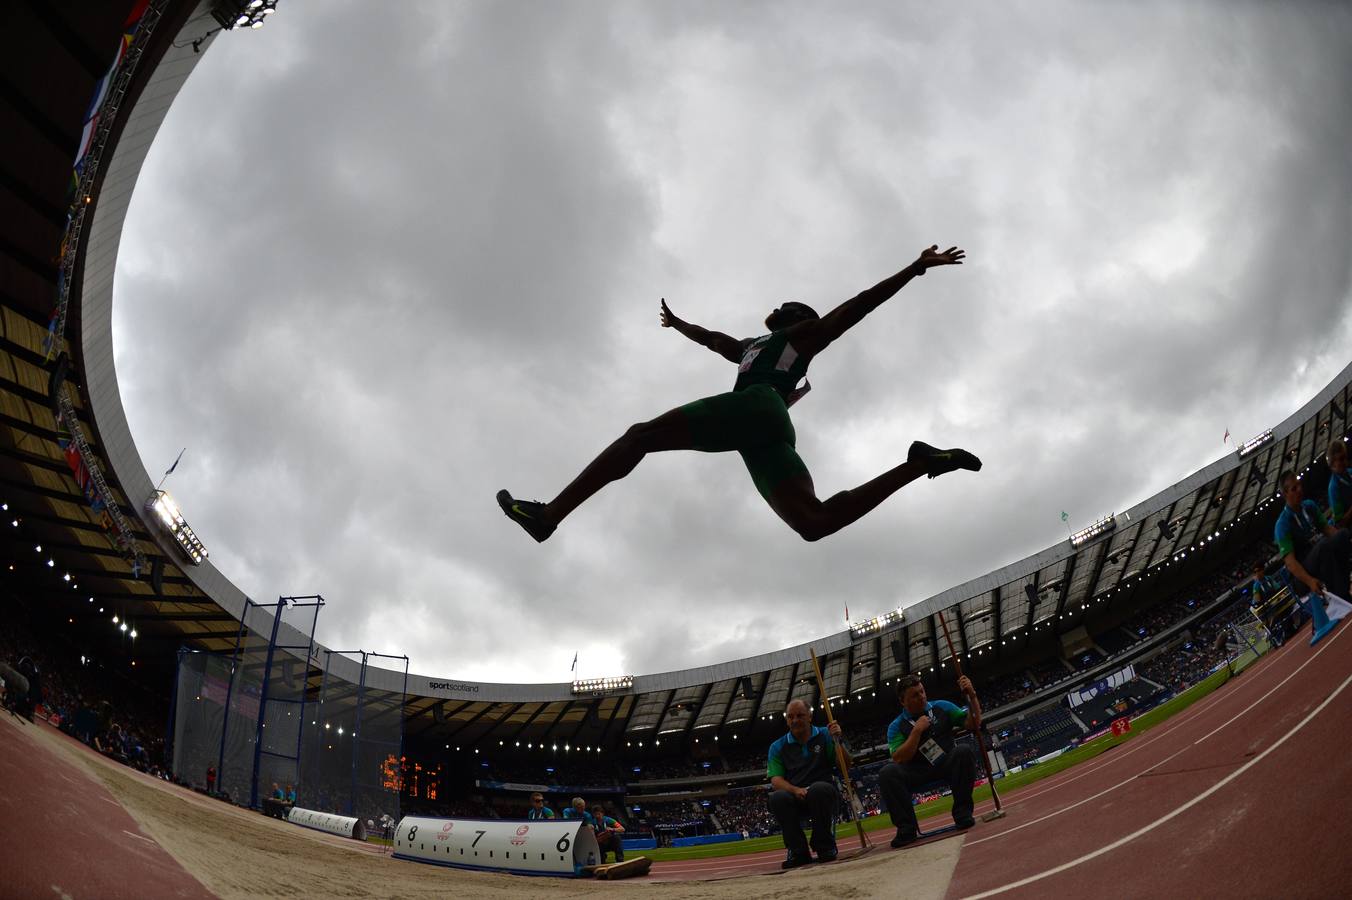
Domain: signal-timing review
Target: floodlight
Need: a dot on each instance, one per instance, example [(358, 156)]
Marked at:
[(1097, 530), (1254, 443), (233, 14), (170, 517)]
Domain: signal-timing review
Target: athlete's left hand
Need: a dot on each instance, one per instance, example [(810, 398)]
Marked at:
[(965, 685), (931, 257), (834, 729)]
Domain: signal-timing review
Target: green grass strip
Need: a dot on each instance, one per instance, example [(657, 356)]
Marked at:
[(1007, 785)]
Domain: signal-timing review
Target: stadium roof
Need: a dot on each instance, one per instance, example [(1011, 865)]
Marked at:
[(58, 54)]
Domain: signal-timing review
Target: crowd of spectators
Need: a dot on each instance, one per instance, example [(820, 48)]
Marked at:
[(680, 818), (102, 709), (593, 771), (1201, 651), (746, 812), (1167, 613), (1050, 671), (1005, 689)]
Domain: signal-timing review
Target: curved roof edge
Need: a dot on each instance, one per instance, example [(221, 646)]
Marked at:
[(105, 404)]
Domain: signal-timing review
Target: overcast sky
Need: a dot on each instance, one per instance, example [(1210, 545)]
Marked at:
[(384, 260)]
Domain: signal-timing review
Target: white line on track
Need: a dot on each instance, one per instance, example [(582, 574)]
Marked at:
[(1156, 765), (1102, 761), (1176, 812), (138, 836), (1312, 658)]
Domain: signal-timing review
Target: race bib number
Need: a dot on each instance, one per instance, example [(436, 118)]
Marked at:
[(931, 751)]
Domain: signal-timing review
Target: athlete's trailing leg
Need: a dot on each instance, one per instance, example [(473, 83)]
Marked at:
[(669, 431)]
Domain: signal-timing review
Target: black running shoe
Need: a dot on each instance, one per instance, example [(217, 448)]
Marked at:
[(964, 823), (938, 462), (528, 514), (828, 853), (903, 838), (794, 860)]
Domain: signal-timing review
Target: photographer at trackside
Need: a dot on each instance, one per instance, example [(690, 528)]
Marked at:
[(924, 751)]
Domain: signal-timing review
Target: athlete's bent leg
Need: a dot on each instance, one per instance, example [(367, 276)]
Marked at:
[(795, 501), (669, 431)]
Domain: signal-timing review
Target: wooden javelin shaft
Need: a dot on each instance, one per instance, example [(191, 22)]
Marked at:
[(980, 743), (840, 756)]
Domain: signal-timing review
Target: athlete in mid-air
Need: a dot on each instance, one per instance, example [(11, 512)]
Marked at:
[(753, 419)]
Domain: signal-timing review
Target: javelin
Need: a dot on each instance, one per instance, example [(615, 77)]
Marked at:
[(997, 813), (856, 809)]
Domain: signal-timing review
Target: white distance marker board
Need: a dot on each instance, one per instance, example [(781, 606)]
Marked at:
[(343, 826), (551, 847)]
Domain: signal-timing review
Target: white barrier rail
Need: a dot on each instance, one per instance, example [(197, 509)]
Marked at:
[(554, 847), (343, 826)]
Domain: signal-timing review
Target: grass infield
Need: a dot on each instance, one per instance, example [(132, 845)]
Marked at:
[(1008, 785)]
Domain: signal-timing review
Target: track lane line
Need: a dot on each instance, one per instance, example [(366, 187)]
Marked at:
[(1164, 730), (1108, 848), (1266, 694), (1312, 658)]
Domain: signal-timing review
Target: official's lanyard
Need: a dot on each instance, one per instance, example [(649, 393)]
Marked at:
[(927, 712)]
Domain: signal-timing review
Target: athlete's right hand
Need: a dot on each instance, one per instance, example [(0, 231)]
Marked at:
[(922, 724), (668, 318)]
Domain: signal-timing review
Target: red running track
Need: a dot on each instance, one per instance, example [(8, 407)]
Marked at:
[(64, 837), (1241, 795)]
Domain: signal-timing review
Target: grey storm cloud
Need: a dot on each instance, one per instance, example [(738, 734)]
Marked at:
[(380, 265)]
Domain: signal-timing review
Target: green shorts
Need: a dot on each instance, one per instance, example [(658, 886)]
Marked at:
[(755, 422)]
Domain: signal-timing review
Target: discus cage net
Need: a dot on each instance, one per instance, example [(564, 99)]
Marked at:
[(271, 711)]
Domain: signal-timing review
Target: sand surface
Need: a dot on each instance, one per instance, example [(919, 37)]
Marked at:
[(237, 853)]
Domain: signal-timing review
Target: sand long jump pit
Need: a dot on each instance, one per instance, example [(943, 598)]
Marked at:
[(237, 853)]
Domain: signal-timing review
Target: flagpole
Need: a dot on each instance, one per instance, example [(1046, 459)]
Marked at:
[(169, 471)]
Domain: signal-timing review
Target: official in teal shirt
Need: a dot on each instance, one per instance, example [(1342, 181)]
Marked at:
[(1314, 552), (1340, 485), (925, 750), (608, 831), (579, 811), (538, 810), (801, 767)]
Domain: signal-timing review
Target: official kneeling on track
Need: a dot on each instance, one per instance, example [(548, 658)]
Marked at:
[(924, 751), (608, 831), (800, 768)]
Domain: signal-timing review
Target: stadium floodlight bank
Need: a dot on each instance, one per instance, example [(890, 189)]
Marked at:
[(595, 686), (1097, 530), (877, 623), (232, 14), (166, 511), (1254, 443)]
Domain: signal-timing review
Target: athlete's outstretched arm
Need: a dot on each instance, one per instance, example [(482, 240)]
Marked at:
[(813, 337), (724, 345)]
